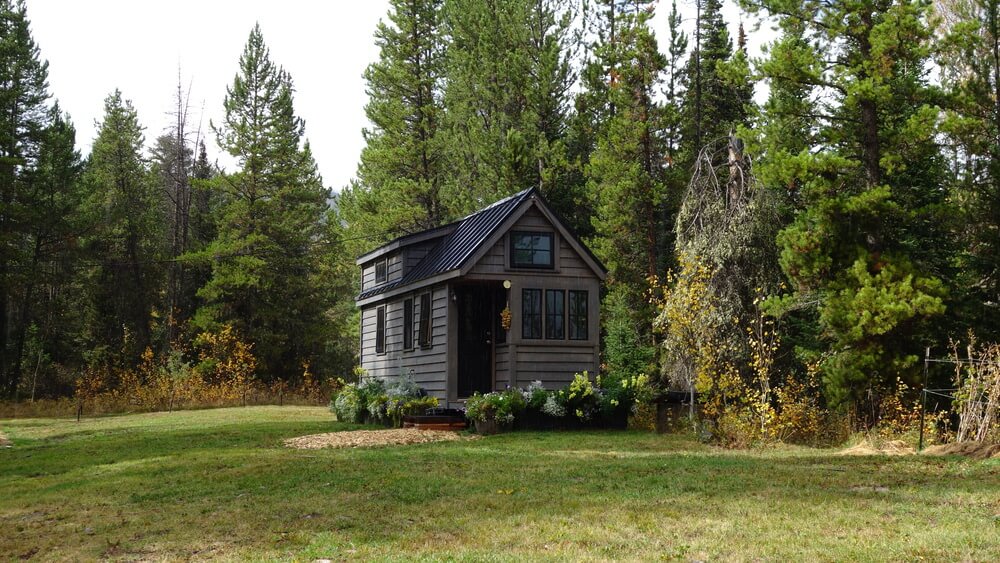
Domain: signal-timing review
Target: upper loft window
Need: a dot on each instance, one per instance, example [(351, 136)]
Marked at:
[(531, 250), (381, 270)]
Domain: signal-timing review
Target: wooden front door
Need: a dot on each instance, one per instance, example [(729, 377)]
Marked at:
[(475, 339)]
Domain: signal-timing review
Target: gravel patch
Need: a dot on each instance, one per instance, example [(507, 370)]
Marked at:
[(369, 438)]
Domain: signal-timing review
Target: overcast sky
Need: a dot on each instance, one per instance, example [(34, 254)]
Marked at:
[(95, 46)]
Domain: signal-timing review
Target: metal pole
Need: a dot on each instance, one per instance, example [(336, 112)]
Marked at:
[(923, 398)]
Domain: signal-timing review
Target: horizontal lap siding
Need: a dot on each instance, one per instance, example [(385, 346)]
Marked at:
[(503, 366), (532, 219), (553, 365), (493, 261), (570, 263), (426, 366)]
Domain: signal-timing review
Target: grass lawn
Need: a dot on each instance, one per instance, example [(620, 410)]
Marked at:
[(219, 484)]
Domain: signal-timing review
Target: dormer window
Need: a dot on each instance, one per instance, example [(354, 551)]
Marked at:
[(381, 270), (531, 250)]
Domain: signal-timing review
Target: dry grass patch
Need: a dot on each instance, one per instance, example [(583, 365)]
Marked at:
[(975, 450), (888, 447), (4, 441), (370, 438)]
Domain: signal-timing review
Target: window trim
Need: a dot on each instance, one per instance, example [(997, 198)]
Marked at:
[(408, 323), (513, 264), (425, 328), (385, 271), (549, 316), (380, 322), (525, 316), (586, 314)]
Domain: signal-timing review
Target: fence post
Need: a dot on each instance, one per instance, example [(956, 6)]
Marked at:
[(923, 398)]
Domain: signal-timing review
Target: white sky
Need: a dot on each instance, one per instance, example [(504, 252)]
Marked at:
[(95, 46)]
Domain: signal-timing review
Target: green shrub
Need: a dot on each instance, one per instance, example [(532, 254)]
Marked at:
[(382, 403), (348, 404), (622, 393)]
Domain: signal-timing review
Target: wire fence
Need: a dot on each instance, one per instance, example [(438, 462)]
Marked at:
[(932, 399)]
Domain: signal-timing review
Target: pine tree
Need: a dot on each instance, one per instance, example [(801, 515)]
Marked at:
[(48, 305), (717, 84), (505, 99), (867, 250), (398, 188), (627, 177), (126, 208), (969, 59), (23, 116), (268, 279)]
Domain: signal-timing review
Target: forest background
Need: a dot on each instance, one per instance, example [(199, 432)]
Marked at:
[(814, 238)]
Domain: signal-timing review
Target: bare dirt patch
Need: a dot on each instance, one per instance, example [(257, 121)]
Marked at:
[(890, 447), (369, 438), (976, 450)]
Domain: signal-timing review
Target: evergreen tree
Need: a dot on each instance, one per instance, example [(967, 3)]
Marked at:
[(969, 59), (717, 84), (127, 239), (23, 112), (48, 305), (398, 188), (268, 279), (627, 177), (867, 250), (505, 99)]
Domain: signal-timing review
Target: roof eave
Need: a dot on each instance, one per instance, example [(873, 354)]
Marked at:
[(406, 240), (419, 284)]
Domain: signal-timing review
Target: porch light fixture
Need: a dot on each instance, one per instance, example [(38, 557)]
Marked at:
[(506, 284)]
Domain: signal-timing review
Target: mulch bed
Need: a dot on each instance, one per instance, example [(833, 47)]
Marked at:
[(370, 438)]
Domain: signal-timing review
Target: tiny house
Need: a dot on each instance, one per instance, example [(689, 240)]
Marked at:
[(503, 297)]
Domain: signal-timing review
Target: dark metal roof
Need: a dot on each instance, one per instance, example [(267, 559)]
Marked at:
[(452, 252)]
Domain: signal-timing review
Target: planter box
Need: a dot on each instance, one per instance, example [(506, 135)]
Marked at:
[(535, 420), (487, 427)]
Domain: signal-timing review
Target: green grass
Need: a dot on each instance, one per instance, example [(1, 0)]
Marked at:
[(219, 484)]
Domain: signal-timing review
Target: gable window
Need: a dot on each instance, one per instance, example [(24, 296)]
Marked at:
[(381, 271), (380, 330), (555, 319), (531, 250), (578, 315), (531, 313), (424, 335), (408, 324)]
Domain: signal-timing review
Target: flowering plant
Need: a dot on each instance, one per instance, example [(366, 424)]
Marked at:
[(502, 406), (623, 392), (581, 399)]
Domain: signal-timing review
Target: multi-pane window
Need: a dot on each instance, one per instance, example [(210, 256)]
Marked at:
[(381, 271), (531, 250), (578, 315), (531, 313), (424, 336), (380, 330), (408, 324), (555, 314)]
